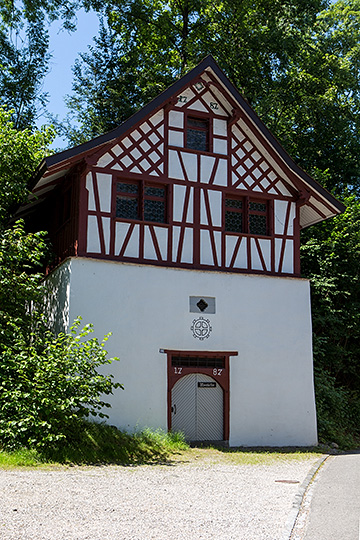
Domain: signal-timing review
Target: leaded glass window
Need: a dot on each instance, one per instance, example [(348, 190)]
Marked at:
[(127, 187), (234, 222), (258, 218), (154, 191), (234, 215), (234, 203), (197, 134), (127, 200), (154, 211), (137, 200), (246, 216), (259, 207), (127, 208), (257, 224)]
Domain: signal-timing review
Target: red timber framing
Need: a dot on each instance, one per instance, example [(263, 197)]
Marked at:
[(242, 160), (197, 184), (177, 368)]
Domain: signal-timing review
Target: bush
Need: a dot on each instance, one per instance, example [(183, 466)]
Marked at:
[(48, 386), (337, 412)]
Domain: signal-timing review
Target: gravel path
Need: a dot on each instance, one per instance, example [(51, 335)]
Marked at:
[(184, 501)]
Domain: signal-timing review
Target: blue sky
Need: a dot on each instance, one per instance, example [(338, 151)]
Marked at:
[(65, 47)]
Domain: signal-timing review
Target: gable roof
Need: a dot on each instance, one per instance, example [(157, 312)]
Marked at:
[(54, 167)]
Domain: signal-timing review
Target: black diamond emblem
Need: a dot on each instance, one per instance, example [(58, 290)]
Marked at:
[(202, 305)]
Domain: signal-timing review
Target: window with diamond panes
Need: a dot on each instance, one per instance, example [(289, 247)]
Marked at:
[(197, 134), (244, 216), (127, 200), (234, 215), (258, 218), (137, 200), (154, 204)]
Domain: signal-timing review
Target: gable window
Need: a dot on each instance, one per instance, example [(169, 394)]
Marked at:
[(197, 134), (141, 201), (244, 215)]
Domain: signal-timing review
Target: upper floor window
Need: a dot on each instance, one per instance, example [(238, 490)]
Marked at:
[(197, 134), (258, 218), (141, 201), (243, 215)]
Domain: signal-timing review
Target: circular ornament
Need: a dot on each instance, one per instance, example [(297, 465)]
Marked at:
[(201, 328)]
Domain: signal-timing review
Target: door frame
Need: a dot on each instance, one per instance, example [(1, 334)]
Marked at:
[(220, 375)]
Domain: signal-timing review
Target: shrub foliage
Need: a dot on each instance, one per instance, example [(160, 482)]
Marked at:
[(49, 385)]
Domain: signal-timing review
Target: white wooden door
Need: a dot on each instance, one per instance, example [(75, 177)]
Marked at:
[(197, 408)]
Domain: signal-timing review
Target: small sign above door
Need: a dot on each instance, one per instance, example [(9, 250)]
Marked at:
[(206, 384)]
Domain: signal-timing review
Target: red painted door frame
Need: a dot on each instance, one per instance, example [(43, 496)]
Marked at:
[(221, 375)]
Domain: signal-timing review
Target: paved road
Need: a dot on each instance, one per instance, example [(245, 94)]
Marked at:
[(335, 504)]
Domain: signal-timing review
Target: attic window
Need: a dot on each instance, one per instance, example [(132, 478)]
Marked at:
[(197, 134), (141, 201), (246, 216)]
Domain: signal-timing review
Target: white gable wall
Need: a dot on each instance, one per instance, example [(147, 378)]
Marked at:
[(266, 319)]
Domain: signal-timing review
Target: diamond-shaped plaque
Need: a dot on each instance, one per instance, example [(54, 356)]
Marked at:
[(202, 305)]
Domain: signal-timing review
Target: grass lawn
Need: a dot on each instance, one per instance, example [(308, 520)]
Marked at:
[(99, 444)]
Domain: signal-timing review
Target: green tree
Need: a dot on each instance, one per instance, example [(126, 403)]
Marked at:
[(330, 258), (21, 254), (47, 383), (24, 56), (145, 45), (314, 107), (21, 288), (24, 64), (20, 153), (142, 47), (105, 90)]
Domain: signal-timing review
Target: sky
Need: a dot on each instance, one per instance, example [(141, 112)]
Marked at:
[(65, 48)]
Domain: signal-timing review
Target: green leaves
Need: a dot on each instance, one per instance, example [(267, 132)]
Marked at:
[(47, 383), (50, 384), (21, 283), (20, 153), (330, 258)]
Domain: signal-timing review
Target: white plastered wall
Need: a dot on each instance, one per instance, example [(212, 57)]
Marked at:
[(58, 297), (266, 319)]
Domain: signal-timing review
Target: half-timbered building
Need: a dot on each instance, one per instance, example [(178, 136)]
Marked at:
[(179, 232)]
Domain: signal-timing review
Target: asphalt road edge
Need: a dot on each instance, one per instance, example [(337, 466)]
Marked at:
[(299, 497)]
